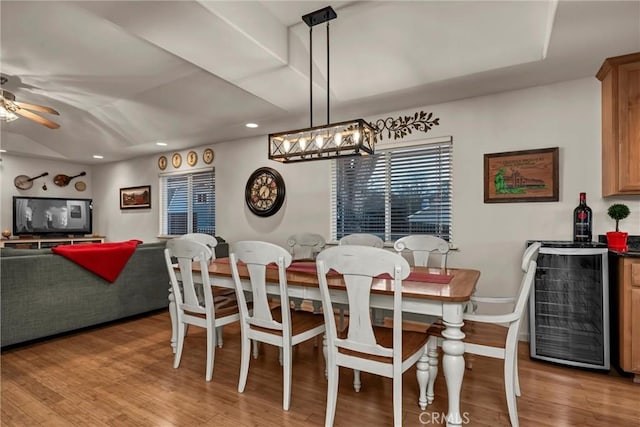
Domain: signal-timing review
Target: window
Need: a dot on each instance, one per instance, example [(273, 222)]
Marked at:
[(395, 192), (188, 203)]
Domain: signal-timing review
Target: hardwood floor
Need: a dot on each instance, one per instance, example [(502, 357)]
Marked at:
[(122, 375)]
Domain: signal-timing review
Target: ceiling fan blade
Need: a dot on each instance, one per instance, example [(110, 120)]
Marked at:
[(29, 115), (34, 107)]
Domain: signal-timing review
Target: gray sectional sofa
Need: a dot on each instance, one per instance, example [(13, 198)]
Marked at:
[(43, 294)]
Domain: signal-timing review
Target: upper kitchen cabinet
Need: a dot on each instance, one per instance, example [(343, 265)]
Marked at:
[(620, 77)]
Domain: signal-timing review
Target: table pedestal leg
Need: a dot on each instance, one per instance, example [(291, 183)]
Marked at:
[(453, 360)]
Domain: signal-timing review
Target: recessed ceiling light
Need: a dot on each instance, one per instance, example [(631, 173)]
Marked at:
[(251, 125), (98, 156), (161, 144)]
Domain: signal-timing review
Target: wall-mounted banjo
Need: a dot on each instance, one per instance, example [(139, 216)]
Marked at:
[(63, 180), (23, 182)]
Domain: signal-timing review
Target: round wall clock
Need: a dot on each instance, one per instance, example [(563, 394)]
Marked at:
[(176, 160), (192, 158), (264, 193), (207, 155), (162, 163)]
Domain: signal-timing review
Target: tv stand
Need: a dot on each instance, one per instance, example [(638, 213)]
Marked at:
[(47, 242)]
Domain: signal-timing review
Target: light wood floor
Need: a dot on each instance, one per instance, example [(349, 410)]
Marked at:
[(122, 375)]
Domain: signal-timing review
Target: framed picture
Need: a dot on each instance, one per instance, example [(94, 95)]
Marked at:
[(135, 197), (521, 176)]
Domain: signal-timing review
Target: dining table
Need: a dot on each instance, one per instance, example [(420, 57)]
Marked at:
[(440, 292)]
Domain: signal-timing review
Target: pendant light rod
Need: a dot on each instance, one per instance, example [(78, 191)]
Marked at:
[(328, 73), (320, 16)]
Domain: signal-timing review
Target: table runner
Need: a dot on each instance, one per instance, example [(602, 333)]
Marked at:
[(310, 267), (106, 260)]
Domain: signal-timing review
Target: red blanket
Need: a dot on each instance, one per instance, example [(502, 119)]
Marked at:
[(106, 260), (310, 267)]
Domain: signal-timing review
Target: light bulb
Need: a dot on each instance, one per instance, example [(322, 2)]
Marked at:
[(338, 139), (356, 137), (287, 145), (303, 143), (319, 141)]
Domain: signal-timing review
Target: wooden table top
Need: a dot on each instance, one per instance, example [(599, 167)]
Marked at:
[(458, 289)]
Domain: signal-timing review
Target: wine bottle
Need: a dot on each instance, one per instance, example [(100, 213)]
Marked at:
[(582, 221)]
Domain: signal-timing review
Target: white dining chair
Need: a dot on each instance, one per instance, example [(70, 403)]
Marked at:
[(305, 245), (220, 292), (363, 346), (418, 248), (362, 239), (421, 246), (196, 304), (279, 326), (481, 331)]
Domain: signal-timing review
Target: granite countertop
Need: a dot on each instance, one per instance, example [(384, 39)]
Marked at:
[(633, 243)]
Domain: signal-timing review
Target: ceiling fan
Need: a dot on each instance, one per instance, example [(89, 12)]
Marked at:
[(10, 109)]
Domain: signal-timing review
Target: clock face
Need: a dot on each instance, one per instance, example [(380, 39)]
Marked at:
[(265, 192), (207, 155)]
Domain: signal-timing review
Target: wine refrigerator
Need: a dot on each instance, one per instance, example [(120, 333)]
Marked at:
[(569, 305)]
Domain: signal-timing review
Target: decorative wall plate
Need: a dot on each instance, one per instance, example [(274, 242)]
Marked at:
[(80, 186), (176, 160), (162, 163), (264, 192), (192, 158), (207, 156)]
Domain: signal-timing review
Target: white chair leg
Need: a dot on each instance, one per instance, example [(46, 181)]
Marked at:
[(422, 375), (397, 400), (255, 349), (509, 384), (280, 355), (244, 361), (211, 348), (516, 375), (432, 352), (332, 395), (219, 330), (286, 369), (356, 380), (179, 346)]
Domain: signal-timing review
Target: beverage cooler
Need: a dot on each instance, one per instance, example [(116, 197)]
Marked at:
[(569, 305)]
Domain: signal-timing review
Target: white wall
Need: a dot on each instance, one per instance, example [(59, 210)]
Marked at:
[(490, 237), (12, 166)]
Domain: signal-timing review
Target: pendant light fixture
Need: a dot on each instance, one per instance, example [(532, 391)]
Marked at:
[(350, 138)]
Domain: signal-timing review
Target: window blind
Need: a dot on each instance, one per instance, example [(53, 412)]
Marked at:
[(394, 193), (188, 203)]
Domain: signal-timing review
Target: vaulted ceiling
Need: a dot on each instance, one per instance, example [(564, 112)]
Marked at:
[(127, 74)]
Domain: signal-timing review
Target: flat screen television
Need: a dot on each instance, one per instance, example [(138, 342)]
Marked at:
[(49, 216)]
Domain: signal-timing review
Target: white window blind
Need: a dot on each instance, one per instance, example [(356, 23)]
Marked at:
[(394, 193), (188, 203)]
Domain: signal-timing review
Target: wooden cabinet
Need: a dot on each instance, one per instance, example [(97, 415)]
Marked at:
[(47, 243), (620, 77), (629, 315)]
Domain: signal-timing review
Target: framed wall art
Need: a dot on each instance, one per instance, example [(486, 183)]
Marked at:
[(135, 197), (521, 176)]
